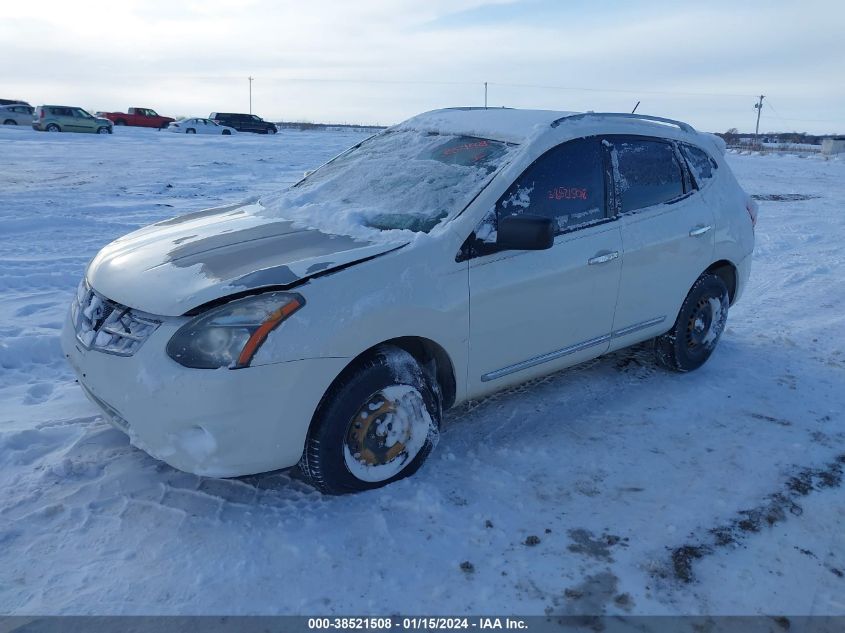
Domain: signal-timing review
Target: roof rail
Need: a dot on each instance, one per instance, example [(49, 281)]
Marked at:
[(686, 127), (473, 108)]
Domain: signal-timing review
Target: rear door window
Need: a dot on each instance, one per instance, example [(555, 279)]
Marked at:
[(565, 184), (648, 173)]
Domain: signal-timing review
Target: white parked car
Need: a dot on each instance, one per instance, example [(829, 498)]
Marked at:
[(200, 126), (460, 252), (16, 114)]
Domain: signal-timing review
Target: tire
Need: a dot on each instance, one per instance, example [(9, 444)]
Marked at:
[(120, 122), (53, 128), (164, 125), (698, 328), (103, 130), (190, 130), (349, 447), (227, 133), (10, 122)]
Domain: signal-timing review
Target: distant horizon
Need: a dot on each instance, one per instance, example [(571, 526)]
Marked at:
[(378, 62), (330, 123), (307, 120)]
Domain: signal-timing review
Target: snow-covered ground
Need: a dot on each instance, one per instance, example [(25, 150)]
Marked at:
[(612, 487)]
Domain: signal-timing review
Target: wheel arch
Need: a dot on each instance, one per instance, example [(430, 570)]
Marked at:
[(727, 272), (425, 351)]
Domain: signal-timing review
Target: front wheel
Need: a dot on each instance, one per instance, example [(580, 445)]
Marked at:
[(272, 130), (10, 122), (104, 130), (698, 328), (375, 425), (190, 130), (227, 133)]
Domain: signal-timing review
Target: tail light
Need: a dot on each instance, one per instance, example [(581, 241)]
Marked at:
[(751, 207), (41, 113)]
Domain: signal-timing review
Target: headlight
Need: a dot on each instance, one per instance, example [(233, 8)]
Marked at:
[(230, 335)]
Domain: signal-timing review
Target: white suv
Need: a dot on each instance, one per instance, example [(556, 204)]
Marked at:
[(460, 252)]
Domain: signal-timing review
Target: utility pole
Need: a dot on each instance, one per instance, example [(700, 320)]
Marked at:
[(759, 107), (250, 94), (485, 95)]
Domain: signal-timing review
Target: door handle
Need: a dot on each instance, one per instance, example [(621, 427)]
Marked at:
[(603, 258), (700, 230)]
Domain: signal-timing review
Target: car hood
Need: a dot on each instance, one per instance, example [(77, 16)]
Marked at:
[(174, 266)]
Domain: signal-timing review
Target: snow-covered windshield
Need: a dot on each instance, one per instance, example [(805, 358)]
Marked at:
[(405, 180)]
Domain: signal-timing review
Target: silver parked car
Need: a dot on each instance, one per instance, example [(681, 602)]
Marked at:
[(53, 118), (16, 114)]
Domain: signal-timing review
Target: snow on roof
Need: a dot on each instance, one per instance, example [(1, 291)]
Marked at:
[(501, 124)]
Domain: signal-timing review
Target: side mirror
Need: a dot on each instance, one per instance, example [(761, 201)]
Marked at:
[(525, 233)]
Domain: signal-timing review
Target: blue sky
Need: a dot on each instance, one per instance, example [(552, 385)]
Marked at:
[(380, 61)]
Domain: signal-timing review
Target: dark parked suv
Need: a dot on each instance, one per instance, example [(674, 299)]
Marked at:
[(244, 122)]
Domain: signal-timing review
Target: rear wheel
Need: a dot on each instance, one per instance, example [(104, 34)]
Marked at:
[(53, 128), (375, 425), (698, 328), (227, 133), (10, 122)]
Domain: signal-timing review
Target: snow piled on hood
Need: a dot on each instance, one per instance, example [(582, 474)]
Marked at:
[(387, 188)]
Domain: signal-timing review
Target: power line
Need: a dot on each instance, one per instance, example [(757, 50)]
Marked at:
[(784, 119), (780, 118), (622, 90), (423, 82)]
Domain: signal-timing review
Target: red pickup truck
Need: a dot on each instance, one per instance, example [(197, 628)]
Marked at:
[(139, 117)]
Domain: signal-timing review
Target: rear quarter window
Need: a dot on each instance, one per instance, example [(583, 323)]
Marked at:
[(701, 164)]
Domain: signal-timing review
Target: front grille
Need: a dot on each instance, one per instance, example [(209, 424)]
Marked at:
[(107, 326)]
